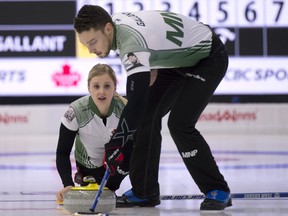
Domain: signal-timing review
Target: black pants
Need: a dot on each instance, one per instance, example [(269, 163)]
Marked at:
[(114, 181), (183, 92)]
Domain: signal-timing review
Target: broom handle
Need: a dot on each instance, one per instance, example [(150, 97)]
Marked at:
[(101, 188)]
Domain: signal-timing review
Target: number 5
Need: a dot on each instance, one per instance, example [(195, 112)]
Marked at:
[(221, 4)]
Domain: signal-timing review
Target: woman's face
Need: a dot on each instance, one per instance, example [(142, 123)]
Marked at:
[(102, 89)]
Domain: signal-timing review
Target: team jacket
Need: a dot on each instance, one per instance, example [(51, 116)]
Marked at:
[(83, 116), (159, 39)]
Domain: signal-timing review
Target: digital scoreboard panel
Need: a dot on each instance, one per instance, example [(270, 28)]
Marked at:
[(37, 41), (248, 27)]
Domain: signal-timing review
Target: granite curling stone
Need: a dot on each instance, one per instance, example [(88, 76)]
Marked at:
[(80, 199)]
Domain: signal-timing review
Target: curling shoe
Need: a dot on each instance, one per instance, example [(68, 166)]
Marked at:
[(216, 200), (128, 199)]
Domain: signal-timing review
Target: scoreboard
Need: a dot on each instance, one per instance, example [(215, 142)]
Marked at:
[(41, 55), (248, 27)]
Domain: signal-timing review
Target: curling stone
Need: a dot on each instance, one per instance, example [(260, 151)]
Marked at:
[(80, 199)]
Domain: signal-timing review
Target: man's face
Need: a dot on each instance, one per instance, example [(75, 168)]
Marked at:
[(98, 42)]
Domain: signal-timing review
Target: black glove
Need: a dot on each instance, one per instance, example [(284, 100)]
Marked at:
[(113, 158)]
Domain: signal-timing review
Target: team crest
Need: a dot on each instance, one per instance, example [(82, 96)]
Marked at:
[(131, 61), (69, 114)]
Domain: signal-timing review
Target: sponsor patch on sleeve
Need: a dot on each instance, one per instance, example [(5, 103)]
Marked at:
[(136, 62), (69, 114)]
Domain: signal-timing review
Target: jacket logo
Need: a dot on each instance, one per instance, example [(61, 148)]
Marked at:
[(189, 154), (176, 23)]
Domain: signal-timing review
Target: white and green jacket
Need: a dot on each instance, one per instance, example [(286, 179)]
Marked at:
[(159, 39), (92, 134)]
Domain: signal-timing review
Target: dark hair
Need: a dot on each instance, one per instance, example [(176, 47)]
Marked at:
[(130, 54), (91, 16)]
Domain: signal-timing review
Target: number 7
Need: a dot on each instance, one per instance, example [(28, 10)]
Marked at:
[(280, 3)]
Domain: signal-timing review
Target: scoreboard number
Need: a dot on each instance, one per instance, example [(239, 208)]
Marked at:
[(247, 27), (213, 12)]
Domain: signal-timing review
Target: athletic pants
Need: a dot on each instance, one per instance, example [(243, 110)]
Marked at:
[(184, 92)]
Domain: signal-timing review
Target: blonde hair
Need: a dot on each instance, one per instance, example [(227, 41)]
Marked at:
[(101, 69)]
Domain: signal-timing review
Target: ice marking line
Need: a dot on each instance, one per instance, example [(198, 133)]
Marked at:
[(12, 154), (252, 152), (256, 166), (26, 209), (163, 152), (27, 201), (249, 195), (259, 166), (28, 193), (162, 167), (239, 152), (24, 167)]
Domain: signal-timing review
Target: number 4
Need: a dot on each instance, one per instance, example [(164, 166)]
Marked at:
[(194, 12)]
